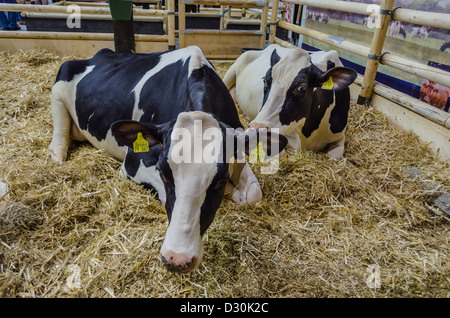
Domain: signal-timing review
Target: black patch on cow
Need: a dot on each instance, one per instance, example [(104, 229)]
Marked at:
[(214, 196), (148, 159), (274, 59), (322, 99), (164, 95), (297, 106), (330, 65), (339, 114), (133, 161), (70, 69), (208, 93), (167, 176), (106, 94)]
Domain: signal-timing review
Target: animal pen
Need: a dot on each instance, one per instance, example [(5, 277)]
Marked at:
[(324, 226)]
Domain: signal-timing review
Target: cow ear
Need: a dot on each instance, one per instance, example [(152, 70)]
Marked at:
[(261, 143), (337, 78), (127, 132)]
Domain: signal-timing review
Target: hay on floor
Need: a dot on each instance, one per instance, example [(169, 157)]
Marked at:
[(78, 229)]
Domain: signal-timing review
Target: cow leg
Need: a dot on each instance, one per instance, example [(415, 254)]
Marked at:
[(248, 189), (61, 130), (336, 149), (229, 78), (233, 93), (75, 133)]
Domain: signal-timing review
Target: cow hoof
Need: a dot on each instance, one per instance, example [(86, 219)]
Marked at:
[(250, 195), (336, 153), (57, 155)]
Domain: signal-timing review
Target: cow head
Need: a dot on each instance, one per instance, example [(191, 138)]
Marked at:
[(289, 84), (194, 167)]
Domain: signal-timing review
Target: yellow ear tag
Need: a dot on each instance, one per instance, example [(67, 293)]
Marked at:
[(328, 85), (140, 145), (257, 154)]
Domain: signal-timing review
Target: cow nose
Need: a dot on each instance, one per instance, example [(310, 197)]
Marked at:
[(257, 126), (179, 262)]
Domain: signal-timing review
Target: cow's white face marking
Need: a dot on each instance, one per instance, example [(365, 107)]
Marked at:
[(191, 181)]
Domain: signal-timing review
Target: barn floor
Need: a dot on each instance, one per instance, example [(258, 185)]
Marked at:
[(79, 230)]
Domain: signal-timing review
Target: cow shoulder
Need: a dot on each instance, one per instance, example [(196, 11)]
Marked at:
[(70, 69)]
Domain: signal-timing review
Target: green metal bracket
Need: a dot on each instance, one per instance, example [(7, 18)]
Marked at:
[(121, 10), (122, 14)]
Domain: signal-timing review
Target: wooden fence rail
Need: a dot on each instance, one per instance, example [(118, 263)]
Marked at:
[(373, 53), (433, 19)]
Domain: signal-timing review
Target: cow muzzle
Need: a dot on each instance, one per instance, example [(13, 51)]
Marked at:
[(258, 126), (180, 263)]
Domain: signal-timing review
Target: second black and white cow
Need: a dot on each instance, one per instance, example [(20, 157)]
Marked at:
[(305, 95), (172, 121)]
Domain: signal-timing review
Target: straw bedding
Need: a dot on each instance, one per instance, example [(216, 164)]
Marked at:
[(77, 229)]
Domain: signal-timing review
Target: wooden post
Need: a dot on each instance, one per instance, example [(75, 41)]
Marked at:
[(299, 14), (124, 36), (171, 23), (222, 18), (181, 23), (122, 14), (375, 51), (265, 12), (273, 21)]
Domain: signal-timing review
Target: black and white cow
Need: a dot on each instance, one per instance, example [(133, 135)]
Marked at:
[(305, 95), (174, 104)]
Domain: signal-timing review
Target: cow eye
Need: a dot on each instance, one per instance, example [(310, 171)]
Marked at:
[(300, 90)]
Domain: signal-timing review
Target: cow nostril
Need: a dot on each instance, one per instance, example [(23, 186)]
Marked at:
[(180, 268), (257, 126)]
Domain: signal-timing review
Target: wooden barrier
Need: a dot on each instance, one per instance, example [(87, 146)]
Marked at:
[(170, 6), (76, 43), (403, 64), (273, 21), (223, 44), (83, 9), (323, 37), (374, 56), (92, 23), (87, 16), (229, 3), (86, 43), (432, 19)]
